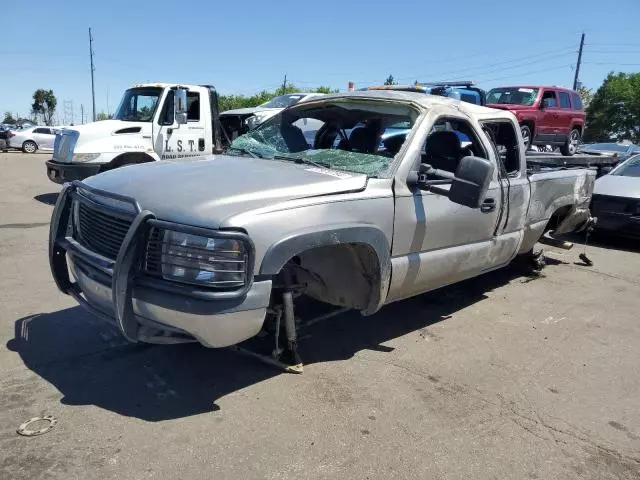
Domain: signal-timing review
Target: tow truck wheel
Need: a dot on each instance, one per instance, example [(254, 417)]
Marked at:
[(571, 145), (29, 147), (526, 136)]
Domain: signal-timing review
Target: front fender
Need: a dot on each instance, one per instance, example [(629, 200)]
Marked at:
[(280, 252)]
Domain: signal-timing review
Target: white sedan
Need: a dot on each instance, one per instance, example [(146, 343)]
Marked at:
[(29, 140)]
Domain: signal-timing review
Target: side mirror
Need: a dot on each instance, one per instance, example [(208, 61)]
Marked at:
[(180, 106), (471, 183)]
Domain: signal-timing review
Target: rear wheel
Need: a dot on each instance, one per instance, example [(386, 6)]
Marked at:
[(29, 147), (526, 136), (571, 145)]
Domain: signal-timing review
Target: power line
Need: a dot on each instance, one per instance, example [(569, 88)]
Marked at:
[(613, 44), (616, 52), (532, 72), (480, 69), (614, 63)]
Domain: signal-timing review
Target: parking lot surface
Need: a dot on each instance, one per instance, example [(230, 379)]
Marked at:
[(501, 377)]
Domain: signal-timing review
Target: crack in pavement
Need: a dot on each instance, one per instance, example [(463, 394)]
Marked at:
[(509, 410), (23, 225)]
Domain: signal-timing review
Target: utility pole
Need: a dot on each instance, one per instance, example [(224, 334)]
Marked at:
[(93, 89), (575, 78), (284, 84), (82, 114)]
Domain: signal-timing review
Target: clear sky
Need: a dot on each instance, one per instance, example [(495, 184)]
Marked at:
[(244, 46)]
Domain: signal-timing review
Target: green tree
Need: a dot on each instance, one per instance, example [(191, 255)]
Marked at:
[(390, 80), (614, 110), (327, 90), (44, 104), (8, 118), (231, 102), (586, 95), (103, 116)]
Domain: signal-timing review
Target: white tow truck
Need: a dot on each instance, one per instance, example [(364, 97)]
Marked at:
[(153, 122)]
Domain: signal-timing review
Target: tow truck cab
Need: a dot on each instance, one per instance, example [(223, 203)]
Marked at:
[(152, 122)]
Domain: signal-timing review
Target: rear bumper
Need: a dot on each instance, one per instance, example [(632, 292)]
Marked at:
[(148, 310), (59, 172), (578, 219)]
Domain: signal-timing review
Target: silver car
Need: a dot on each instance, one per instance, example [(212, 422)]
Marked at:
[(29, 140), (616, 199)]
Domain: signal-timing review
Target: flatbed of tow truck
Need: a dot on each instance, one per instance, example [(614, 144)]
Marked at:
[(540, 160)]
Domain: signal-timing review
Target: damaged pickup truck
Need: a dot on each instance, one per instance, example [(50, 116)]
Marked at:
[(216, 251)]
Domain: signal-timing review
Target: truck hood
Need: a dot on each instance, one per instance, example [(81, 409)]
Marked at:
[(103, 136), (207, 192), (511, 108), (618, 186), (105, 128)]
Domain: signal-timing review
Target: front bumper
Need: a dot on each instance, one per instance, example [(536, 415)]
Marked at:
[(144, 309), (59, 172), (622, 224)]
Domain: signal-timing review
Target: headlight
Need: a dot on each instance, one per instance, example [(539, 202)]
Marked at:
[(255, 120), (187, 258), (85, 157)]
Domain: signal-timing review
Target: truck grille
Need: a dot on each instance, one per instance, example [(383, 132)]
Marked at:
[(100, 232), (153, 252)]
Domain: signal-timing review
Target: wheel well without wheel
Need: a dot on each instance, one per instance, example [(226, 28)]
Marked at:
[(127, 159), (557, 218), (344, 275)]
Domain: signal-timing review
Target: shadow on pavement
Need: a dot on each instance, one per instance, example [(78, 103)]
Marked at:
[(91, 364), (47, 198)]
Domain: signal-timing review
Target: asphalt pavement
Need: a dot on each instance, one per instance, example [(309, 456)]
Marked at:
[(502, 377)]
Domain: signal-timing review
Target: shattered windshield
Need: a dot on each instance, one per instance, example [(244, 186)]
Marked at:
[(512, 96), (138, 104), (342, 134), (282, 101)]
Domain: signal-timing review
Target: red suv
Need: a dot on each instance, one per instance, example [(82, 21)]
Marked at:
[(547, 115)]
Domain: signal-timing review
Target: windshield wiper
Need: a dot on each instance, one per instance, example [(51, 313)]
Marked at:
[(305, 161), (247, 151)]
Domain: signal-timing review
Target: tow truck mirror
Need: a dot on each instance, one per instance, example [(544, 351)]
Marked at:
[(180, 106), (471, 183)]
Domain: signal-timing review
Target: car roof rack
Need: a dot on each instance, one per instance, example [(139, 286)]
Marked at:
[(421, 86), (462, 83)]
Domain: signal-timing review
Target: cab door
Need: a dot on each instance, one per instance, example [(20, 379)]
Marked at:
[(44, 137), (180, 142), (549, 122), (565, 116), (435, 241)]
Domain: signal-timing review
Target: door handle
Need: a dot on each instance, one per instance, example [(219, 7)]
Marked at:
[(488, 206)]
